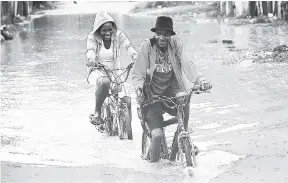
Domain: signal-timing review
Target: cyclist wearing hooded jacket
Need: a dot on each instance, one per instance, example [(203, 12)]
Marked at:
[(104, 45)]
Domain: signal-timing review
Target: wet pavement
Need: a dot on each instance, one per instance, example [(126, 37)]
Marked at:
[(240, 126)]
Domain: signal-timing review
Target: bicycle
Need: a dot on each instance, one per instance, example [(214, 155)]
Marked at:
[(185, 144), (114, 111)]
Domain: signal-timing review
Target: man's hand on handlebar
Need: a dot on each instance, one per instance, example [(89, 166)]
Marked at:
[(205, 85)]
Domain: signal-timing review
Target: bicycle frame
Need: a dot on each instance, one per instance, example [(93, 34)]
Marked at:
[(113, 100), (175, 103)]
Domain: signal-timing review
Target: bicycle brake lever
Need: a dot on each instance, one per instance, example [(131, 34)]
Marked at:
[(130, 65)]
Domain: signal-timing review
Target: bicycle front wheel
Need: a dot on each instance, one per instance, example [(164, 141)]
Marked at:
[(107, 117), (146, 142), (186, 150), (121, 124), (194, 152), (124, 125), (128, 125), (115, 126)]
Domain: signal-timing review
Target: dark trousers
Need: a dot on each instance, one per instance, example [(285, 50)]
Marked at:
[(153, 115)]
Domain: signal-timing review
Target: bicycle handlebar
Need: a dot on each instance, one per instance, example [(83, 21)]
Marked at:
[(171, 100), (107, 71)]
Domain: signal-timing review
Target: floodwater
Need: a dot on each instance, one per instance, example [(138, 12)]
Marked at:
[(45, 100)]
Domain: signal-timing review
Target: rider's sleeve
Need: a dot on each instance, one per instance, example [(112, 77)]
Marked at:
[(91, 47), (189, 67), (140, 66), (126, 45)]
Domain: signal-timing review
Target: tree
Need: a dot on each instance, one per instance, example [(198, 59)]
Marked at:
[(252, 8), (265, 8)]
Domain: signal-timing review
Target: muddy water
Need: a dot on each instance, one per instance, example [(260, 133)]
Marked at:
[(45, 100)]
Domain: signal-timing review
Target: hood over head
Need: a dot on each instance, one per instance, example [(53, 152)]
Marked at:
[(102, 18)]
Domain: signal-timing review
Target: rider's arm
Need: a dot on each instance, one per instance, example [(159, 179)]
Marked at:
[(140, 66), (91, 46), (126, 45), (187, 62)]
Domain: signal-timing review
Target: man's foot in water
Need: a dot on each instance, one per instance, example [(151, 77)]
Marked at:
[(96, 119)]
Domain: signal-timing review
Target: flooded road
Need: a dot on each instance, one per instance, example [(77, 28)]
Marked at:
[(240, 126)]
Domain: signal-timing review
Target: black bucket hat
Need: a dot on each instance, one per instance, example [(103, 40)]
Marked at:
[(164, 23)]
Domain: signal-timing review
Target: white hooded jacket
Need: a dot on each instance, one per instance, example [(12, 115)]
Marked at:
[(119, 39)]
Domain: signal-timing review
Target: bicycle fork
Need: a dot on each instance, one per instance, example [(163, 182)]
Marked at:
[(185, 145), (181, 138)]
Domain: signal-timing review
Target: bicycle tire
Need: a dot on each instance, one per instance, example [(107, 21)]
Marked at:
[(115, 125), (187, 151), (193, 155), (121, 124), (106, 115), (128, 125), (146, 142)]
